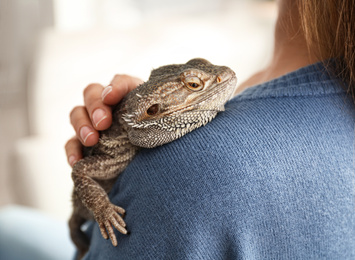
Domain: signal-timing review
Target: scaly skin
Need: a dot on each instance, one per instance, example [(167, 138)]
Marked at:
[(174, 101)]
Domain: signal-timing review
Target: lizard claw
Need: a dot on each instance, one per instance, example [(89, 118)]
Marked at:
[(108, 218)]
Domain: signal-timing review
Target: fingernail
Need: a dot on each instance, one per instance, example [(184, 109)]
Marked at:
[(98, 115), (72, 160), (85, 132), (106, 90)]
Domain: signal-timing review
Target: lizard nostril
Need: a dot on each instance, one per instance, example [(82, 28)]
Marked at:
[(153, 110)]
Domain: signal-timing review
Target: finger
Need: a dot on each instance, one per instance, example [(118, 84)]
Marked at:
[(119, 219), (73, 150), (120, 86), (115, 223), (111, 233), (119, 209), (103, 231), (99, 113), (81, 122)]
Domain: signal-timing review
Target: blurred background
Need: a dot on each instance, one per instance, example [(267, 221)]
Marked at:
[(50, 50)]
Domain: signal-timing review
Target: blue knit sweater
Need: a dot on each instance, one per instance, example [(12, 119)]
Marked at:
[(272, 177)]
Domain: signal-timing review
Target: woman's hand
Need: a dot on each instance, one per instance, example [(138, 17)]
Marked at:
[(96, 114)]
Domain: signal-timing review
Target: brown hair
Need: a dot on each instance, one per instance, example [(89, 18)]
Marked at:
[(329, 27)]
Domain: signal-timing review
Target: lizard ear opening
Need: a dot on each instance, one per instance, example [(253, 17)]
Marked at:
[(153, 110)]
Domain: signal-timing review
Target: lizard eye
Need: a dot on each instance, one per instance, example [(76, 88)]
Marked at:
[(193, 83), (153, 110)]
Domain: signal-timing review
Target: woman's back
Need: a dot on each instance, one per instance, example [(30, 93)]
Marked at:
[(271, 177)]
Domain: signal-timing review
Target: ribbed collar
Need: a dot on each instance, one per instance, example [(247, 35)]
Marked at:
[(311, 80)]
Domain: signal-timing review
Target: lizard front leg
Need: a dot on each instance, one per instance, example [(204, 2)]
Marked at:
[(95, 198)]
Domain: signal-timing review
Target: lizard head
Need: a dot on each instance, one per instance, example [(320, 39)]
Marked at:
[(176, 100)]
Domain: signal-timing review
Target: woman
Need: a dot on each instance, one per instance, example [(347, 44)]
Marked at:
[(276, 177)]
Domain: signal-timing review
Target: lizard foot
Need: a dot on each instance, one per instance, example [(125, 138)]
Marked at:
[(109, 217)]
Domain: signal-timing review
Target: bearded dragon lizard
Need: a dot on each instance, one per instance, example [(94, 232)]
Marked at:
[(174, 101)]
